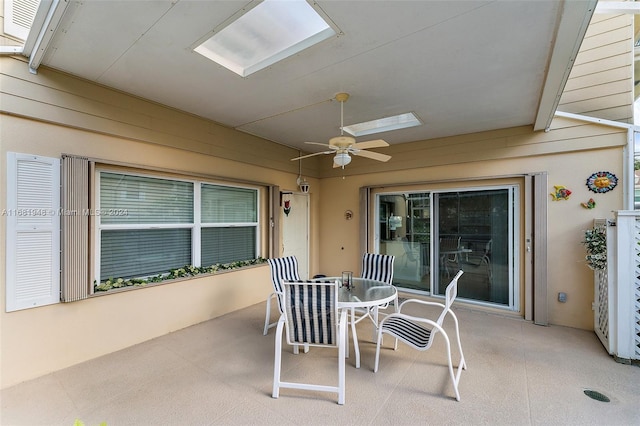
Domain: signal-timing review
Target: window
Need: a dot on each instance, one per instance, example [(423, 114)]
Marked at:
[(148, 225)]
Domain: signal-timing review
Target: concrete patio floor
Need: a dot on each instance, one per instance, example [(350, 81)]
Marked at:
[(220, 373)]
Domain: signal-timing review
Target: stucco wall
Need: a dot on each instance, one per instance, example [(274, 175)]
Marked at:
[(52, 114), (37, 341), (569, 153)]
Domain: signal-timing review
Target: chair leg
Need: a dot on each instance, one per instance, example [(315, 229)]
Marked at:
[(454, 379), (356, 348), (267, 317), (341, 363), (277, 360), (462, 363), (378, 343)]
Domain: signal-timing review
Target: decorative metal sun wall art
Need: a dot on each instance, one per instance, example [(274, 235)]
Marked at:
[(601, 182)]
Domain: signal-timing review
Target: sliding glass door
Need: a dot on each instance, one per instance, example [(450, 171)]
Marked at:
[(433, 234)]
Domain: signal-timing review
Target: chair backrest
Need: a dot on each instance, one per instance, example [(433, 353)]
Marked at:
[(283, 268), (378, 267), (311, 312), (449, 244), (487, 248), (449, 296)]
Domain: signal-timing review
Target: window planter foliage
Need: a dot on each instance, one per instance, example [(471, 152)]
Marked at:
[(595, 241), (185, 271)]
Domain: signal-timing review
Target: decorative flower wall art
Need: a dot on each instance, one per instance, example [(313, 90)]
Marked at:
[(601, 182), (561, 193)]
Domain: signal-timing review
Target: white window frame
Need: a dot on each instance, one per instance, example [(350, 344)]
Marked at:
[(196, 226)]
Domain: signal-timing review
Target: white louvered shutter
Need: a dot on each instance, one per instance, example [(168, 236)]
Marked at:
[(33, 231)]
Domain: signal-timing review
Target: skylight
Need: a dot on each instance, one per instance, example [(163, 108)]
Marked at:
[(396, 122), (269, 32)]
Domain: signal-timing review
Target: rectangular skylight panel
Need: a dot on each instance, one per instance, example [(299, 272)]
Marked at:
[(396, 122), (269, 32)]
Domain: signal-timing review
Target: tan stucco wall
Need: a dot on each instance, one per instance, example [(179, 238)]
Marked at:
[(37, 341), (567, 271), (53, 114)]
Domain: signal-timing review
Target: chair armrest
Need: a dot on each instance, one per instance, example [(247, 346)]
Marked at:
[(411, 318), (420, 302)]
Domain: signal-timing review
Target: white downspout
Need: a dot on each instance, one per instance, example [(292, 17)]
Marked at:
[(629, 150)]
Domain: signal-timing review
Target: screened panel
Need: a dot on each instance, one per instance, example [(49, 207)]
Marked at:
[(474, 235), (143, 252), (224, 245), (126, 199), (222, 204)]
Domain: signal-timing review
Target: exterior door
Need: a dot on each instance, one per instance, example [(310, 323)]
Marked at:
[(295, 230)]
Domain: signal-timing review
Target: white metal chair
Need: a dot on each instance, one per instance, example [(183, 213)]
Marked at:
[(376, 267), (282, 268), (419, 332), (311, 318)]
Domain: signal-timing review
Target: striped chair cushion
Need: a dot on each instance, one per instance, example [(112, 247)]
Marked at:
[(408, 331), (283, 269), (378, 267), (311, 312)]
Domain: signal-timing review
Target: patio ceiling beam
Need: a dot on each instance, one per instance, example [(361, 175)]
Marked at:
[(574, 20)]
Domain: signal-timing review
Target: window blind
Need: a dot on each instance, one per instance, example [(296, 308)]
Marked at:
[(143, 252), (229, 244), (127, 199), (222, 204)]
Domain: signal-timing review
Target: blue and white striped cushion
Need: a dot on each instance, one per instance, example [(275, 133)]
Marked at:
[(283, 269), (378, 267), (408, 331), (311, 312)]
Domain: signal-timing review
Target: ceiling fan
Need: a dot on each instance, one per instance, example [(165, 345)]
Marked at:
[(342, 145)]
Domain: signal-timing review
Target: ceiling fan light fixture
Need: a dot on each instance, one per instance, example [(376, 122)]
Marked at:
[(342, 159)]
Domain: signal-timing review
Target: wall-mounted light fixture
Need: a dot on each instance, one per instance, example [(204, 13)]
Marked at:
[(302, 183)]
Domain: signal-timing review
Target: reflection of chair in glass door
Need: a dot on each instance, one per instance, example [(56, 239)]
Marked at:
[(449, 254), (477, 265)]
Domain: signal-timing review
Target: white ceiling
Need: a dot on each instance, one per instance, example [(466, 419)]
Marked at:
[(460, 66)]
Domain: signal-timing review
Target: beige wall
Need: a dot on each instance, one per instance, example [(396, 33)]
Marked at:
[(37, 341), (60, 117), (52, 113), (580, 151)]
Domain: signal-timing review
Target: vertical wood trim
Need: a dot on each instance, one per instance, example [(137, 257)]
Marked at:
[(528, 197), (75, 228), (365, 214), (539, 249), (274, 221)]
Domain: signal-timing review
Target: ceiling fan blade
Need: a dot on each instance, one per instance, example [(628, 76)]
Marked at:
[(372, 155), (321, 144), (377, 143), (311, 155)]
